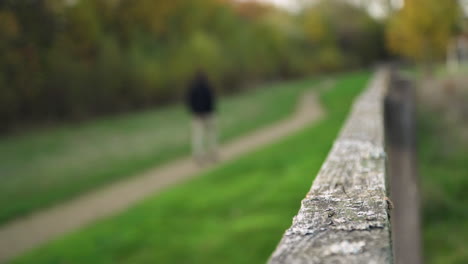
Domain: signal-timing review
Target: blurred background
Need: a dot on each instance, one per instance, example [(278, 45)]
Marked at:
[(91, 93), (72, 60)]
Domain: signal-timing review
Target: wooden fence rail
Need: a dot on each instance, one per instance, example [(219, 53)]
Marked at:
[(345, 216)]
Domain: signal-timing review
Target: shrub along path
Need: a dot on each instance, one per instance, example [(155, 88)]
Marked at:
[(29, 232)]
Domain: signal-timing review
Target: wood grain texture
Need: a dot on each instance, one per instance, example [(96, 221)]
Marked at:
[(344, 217)]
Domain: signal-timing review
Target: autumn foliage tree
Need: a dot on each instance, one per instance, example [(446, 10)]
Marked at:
[(422, 29), (342, 35), (74, 59)]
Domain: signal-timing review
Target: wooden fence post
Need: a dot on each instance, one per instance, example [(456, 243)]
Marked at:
[(402, 171)]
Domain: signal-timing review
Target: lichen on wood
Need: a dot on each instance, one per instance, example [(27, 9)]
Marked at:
[(344, 217)]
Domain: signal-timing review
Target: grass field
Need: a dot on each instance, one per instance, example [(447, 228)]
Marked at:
[(443, 159), (443, 169), (234, 214), (40, 168)]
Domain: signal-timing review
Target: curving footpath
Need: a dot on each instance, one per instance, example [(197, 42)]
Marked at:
[(27, 233)]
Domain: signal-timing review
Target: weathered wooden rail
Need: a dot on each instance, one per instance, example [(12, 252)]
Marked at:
[(345, 216)]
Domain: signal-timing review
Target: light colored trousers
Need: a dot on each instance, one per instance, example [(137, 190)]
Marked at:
[(204, 136)]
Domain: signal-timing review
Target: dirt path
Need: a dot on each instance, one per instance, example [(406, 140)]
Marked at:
[(27, 233)]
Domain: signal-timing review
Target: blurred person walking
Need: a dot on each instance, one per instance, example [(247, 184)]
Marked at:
[(201, 102)]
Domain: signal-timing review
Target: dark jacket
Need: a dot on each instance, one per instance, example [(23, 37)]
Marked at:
[(200, 97)]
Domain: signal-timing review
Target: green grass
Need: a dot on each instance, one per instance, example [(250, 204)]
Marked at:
[(443, 159), (40, 168), (235, 213)]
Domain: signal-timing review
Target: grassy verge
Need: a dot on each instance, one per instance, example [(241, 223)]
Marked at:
[(234, 214), (40, 168), (443, 159)]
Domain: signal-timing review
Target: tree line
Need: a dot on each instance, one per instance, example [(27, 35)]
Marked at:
[(75, 59)]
